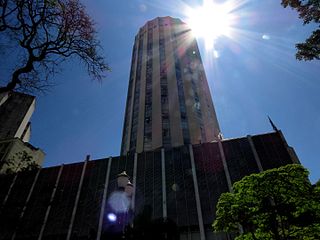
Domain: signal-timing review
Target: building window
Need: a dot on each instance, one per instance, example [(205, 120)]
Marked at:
[(135, 113), (166, 139), (148, 98), (182, 104), (129, 101)]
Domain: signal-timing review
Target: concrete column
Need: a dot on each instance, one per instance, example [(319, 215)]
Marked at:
[(225, 166), (104, 198), (77, 198), (26, 203), (164, 189), (9, 191), (133, 85), (51, 200), (173, 92), (141, 112), (134, 180), (156, 93), (255, 154), (196, 191)]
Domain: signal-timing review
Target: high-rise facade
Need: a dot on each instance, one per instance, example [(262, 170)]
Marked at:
[(168, 102)]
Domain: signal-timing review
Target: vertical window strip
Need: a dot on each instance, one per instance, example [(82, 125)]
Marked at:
[(182, 105), (166, 136), (135, 110), (148, 92), (129, 100), (191, 57)]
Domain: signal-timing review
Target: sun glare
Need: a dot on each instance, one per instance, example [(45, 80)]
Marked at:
[(210, 21)]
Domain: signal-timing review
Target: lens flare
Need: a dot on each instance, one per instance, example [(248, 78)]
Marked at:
[(119, 202), (210, 21), (112, 217)]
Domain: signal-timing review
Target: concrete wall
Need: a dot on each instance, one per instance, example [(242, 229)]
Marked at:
[(13, 149), (15, 112)]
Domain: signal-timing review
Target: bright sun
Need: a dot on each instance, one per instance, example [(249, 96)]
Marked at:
[(210, 21)]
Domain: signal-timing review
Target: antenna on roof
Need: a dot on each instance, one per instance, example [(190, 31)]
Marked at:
[(273, 125)]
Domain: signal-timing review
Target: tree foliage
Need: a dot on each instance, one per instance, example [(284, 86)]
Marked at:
[(309, 12), (44, 33), (278, 204)]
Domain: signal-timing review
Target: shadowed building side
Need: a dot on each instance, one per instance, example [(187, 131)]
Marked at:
[(15, 112), (16, 152), (181, 184), (16, 155)]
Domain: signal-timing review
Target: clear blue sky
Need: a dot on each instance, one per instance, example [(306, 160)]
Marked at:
[(255, 75)]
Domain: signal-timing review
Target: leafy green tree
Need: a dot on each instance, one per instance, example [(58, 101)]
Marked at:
[(278, 204), (309, 12)]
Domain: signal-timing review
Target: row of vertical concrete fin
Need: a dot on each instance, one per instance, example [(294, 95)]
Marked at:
[(182, 184)]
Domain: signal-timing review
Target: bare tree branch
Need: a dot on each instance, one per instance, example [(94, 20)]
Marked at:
[(49, 32)]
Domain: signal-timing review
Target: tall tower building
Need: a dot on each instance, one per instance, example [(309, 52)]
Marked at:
[(168, 102)]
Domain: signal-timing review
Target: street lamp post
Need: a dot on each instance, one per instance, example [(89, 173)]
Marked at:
[(125, 186)]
